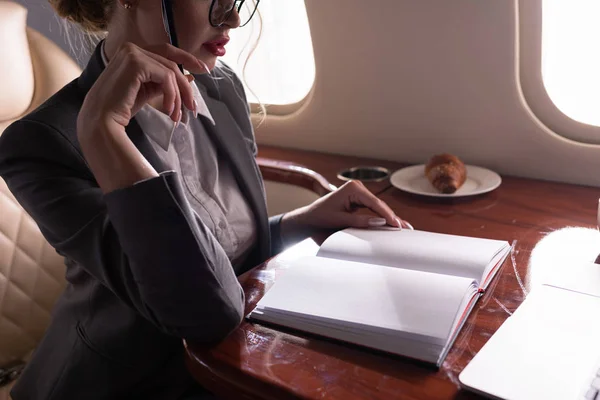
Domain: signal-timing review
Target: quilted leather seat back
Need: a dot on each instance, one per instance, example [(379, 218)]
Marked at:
[(31, 279), (32, 68)]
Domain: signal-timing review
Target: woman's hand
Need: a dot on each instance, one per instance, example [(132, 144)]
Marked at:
[(337, 210), (134, 77)]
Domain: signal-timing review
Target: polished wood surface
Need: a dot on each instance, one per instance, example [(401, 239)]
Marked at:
[(550, 226), (329, 165)]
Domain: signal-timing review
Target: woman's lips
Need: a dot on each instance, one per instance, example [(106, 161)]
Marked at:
[(216, 47)]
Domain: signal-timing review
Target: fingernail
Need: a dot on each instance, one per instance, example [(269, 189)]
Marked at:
[(409, 226), (195, 107), (377, 222), (170, 112), (398, 224), (176, 123)]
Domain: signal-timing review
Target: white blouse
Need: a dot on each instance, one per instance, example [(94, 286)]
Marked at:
[(211, 187)]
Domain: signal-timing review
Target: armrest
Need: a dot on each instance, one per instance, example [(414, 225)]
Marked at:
[(294, 174)]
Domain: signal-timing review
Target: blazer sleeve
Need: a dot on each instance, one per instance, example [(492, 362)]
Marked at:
[(144, 243), (277, 245)]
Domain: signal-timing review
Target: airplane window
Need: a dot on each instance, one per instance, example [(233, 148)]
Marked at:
[(282, 68), (570, 57)]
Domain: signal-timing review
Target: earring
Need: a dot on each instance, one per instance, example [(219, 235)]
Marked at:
[(127, 5)]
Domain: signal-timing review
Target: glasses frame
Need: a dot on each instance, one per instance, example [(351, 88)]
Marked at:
[(239, 3), (169, 20)]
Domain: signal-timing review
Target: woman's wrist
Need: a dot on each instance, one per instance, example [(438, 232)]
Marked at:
[(295, 226), (114, 160)]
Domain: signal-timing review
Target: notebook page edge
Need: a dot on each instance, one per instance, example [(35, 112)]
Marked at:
[(471, 299), (341, 325), (427, 354), (494, 266), (356, 245)]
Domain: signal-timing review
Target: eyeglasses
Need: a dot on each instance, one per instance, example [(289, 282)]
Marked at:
[(219, 13), (221, 10)]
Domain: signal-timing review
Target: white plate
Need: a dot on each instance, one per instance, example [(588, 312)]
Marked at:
[(413, 180)]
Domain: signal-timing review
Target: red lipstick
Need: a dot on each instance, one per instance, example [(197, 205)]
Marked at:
[(217, 46)]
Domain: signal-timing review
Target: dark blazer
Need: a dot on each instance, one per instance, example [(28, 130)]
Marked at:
[(143, 270)]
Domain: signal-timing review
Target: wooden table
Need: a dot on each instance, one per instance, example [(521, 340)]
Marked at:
[(550, 225), (329, 165)]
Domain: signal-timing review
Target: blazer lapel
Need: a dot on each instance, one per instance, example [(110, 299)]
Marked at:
[(230, 141)]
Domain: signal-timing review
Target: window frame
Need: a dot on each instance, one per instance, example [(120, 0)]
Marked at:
[(531, 83), (282, 110)]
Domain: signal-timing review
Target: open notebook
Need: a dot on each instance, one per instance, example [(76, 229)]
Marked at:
[(404, 292)]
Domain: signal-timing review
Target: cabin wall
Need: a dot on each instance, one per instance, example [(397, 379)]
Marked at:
[(404, 79)]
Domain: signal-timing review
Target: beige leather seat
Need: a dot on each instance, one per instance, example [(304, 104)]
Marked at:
[(32, 68)]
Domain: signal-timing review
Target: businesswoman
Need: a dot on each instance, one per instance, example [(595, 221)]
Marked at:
[(144, 178)]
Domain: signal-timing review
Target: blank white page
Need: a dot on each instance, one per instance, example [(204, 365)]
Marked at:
[(369, 295), (417, 250)]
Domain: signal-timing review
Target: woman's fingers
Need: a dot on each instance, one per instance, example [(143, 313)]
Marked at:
[(132, 78), (171, 88), (179, 56), (172, 102), (407, 225), (178, 92), (337, 210), (135, 76), (352, 220), (361, 195), (185, 90), (171, 56)]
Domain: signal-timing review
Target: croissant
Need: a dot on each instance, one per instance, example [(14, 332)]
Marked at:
[(446, 172)]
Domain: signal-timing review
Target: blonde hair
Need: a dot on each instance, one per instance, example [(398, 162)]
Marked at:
[(262, 107)]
